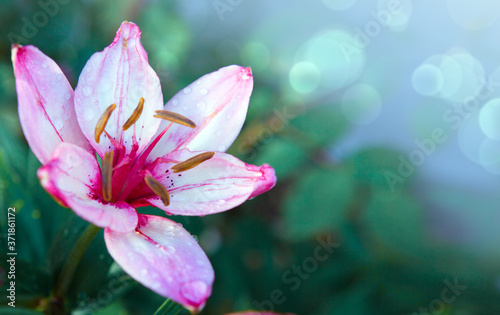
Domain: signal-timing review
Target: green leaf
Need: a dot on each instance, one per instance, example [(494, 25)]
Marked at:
[(30, 246), (320, 126), (397, 223), (31, 283), (284, 155), (378, 167), (318, 202), (169, 307)]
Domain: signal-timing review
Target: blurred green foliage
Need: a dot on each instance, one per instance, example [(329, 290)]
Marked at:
[(385, 262)]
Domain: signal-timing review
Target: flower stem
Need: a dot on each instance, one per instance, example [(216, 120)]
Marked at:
[(74, 257)]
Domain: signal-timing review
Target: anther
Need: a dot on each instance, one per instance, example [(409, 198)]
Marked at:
[(175, 118), (158, 189), (192, 162), (135, 115), (101, 124), (107, 175)]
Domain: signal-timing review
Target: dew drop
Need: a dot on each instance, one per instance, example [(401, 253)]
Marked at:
[(194, 291), (187, 90), (44, 65), (204, 91), (87, 91), (222, 148), (144, 272), (175, 102), (67, 96)]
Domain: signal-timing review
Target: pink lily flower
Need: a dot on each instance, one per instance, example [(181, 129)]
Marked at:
[(152, 154)]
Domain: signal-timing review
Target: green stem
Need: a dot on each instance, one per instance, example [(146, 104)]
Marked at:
[(73, 261)]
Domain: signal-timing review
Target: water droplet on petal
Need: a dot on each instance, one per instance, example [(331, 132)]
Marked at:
[(87, 91), (67, 96), (175, 102), (204, 91), (222, 148), (195, 291), (144, 272), (44, 65), (187, 90)]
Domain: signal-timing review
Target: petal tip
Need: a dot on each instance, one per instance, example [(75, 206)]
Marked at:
[(266, 181), (247, 73), (127, 31), (195, 294)]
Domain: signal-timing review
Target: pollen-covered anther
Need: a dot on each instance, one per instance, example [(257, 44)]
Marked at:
[(175, 118), (135, 115), (107, 175), (192, 162), (158, 189), (101, 124)]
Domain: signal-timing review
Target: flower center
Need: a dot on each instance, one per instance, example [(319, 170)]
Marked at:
[(122, 172)]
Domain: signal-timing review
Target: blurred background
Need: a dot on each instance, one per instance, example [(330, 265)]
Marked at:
[(380, 118)]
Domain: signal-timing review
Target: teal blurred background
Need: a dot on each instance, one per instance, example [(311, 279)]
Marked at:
[(380, 118)]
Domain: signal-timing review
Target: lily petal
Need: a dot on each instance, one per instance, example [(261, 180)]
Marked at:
[(72, 177), (216, 185), (45, 100), (120, 75), (217, 103), (164, 257)]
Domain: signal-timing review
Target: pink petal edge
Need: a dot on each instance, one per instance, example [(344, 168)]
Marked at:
[(120, 75), (45, 103), (73, 178), (217, 103), (214, 186), (165, 258)]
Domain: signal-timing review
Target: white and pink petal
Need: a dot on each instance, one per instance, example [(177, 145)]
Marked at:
[(120, 75), (217, 103), (45, 103), (164, 257), (73, 177), (218, 184)]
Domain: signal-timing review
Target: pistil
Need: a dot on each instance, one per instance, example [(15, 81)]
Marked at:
[(107, 175)]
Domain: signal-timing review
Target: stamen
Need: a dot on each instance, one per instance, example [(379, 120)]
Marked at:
[(192, 162), (174, 117), (107, 175), (135, 115), (158, 189), (101, 124)]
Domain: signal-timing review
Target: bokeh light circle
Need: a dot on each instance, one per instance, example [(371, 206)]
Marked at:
[(427, 80), (256, 55), (456, 76), (396, 13), (337, 55), (474, 14), (304, 77), (489, 119), (361, 104)]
